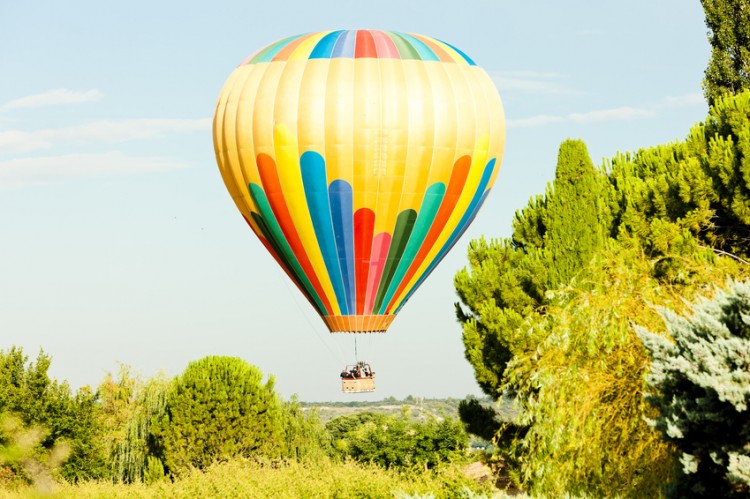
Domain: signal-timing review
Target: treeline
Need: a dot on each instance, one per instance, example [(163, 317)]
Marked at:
[(591, 316), (132, 430)]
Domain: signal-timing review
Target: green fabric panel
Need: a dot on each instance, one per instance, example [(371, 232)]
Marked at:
[(404, 226), (405, 49)]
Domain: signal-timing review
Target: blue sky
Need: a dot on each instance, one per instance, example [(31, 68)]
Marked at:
[(119, 243)]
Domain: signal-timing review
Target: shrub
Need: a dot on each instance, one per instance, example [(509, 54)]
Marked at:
[(700, 384), (216, 410)]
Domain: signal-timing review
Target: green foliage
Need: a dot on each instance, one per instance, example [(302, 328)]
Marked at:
[(21, 453), (480, 419), (728, 69), (398, 441), (700, 185), (27, 391), (670, 221), (576, 218), (700, 384), (304, 435), (580, 389), (130, 407), (218, 409)]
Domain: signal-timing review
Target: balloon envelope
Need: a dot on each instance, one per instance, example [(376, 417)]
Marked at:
[(358, 158)]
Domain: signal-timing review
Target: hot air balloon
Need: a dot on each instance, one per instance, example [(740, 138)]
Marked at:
[(358, 158)]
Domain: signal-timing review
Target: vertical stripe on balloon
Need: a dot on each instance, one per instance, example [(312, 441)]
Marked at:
[(425, 53), (385, 47), (289, 48), (404, 227), (465, 57), (364, 225), (313, 169), (380, 246), (345, 45), (267, 53), (340, 195), (365, 45)]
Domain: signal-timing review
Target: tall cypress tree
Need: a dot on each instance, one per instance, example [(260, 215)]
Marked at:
[(577, 219), (728, 69)]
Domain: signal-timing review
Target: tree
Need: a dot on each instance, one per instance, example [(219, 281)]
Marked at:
[(577, 219), (27, 391), (728, 69), (304, 435), (217, 409), (19, 450), (700, 384), (130, 408)]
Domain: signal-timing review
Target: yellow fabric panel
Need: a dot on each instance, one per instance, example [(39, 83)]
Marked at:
[(421, 133), (339, 120), (366, 123), (464, 103), (287, 162), (391, 142), (246, 99), (445, 124), (310, 117), (262, 116), (295, 102), (238, 140), (497, 118), (224, 143)]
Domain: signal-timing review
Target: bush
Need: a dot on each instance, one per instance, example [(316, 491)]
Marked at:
[(216, 410), (700, 384)]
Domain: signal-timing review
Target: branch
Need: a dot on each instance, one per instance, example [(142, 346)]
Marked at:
[(720, 252)]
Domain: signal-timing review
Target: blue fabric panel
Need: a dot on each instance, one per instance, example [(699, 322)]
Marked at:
[(340, 195), (313, 169)]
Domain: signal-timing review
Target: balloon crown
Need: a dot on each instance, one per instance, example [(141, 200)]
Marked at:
[(362, 43)]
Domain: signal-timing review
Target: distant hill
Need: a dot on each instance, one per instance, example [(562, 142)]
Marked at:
[(419, 407)]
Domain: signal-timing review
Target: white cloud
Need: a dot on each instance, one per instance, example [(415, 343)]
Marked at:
[(108, 132), (542, 119), (57, 97), (691, 99), (530, 82), (40, 170), (615, 114)]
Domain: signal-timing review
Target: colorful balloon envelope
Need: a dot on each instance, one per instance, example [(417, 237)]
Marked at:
[(359, 158)]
